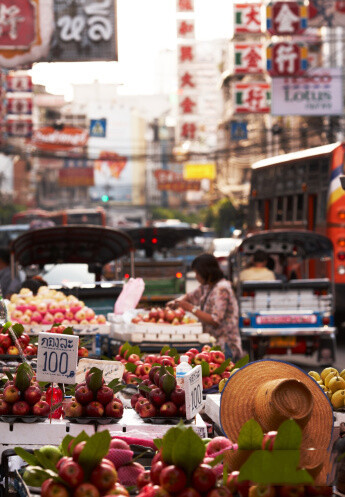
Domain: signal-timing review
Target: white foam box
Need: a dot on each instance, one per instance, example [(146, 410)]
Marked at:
[(79, 329), (131, 421), (25, 434), (75, 428), (114, 429), (212, 407)]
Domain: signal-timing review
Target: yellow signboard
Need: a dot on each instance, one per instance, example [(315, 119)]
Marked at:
[(194, 170)]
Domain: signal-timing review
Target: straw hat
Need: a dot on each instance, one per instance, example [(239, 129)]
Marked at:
[(271, 391)]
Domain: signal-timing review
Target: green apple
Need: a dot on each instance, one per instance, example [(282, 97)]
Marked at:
[(52, 453), (35, 476)]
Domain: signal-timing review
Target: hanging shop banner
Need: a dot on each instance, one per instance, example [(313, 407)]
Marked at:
[(19, 127), (286, 18), (253, 97), (192, 170), (317, 94), (26, 28), (184, 5), (110, 163), (84, 31), (172, 181), (18, 81), (98, 128), (19, 105), (329, 13), (56, 139), (247, 18), (76, 176), (287, 59), (248, 58)]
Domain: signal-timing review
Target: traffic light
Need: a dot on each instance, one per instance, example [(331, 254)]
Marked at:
[(105, 198)]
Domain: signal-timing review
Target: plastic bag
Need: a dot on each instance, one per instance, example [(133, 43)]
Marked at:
[(130, 295)]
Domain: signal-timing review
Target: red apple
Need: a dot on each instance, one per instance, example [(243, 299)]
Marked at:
[(73, 409), (86, 490), (94, 410), (189, 492), (168, 409), (262, 491), (144, 479), (114, 409), (12, 350), (207, 382), (134, 399), (178, 396), (156, 470), (42, 408), (203, 478), (83, 352), (5, 407), (173, 479), (103, 476), (133, 358), (169, 315), (51, 488), (84, 395), (217, 356), (242, 488), (215, 378), (292, 491), (131, 379), (157, 397), (219, 492), (72, 473), (117, 443), (33, 394), (147, 410), (77, 450), (150, 359), (201, 356), (11, 394), (105, 395)]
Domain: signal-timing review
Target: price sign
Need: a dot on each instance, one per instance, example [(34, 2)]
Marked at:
[(57, 358), (193, 390), (111, 369)]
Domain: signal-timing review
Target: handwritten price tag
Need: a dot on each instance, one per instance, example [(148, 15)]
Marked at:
[(193, 390), (111, 369), (57, 358)]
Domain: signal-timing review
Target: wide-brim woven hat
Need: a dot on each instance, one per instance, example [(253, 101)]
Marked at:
[(270, 392)]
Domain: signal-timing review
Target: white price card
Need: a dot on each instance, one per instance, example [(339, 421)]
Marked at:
[(111, 369), (57, 357), (193, 391)]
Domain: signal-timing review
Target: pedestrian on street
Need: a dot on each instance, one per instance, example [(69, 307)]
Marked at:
[(8, 285), (214, 305)]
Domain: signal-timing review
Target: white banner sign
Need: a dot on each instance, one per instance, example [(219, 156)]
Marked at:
[(318, 93), (193, 391), (111, 369), (57, 358)]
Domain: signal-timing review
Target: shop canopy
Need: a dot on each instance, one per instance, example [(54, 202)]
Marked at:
[(71, 244)]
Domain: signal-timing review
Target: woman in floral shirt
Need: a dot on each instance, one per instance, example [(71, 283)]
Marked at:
[(214, 304)]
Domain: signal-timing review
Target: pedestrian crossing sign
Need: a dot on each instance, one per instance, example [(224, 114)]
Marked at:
[(98, 128)]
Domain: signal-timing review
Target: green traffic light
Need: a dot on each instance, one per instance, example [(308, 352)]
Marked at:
[(105, 198)]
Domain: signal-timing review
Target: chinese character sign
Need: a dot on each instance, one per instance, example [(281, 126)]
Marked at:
[(287, 59), (252, 98), (84, 31), (184, 5), (248, 58), (18, 24), (247, 18), (286, 18)]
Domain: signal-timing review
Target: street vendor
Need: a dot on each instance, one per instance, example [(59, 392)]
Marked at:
[(214, 304)]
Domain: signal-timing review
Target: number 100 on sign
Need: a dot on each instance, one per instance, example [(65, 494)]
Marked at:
[(193, 391), (57, 358)]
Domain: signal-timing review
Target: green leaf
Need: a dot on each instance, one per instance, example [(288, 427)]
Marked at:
[(18, 329), (96, 379), (289, 436), (222, 367), (216, 347), (250, 436), (26, 456), (64, 445), (68, 331), (79, 438), (131, 367), (162, 370), (242, 362), (135, 350), (35, 475), (9, 375), (225, 473), (188, 451), (276, 467), (216, 460), (164, 349), (169, 441), (95, 449), (6, 326), (44, 461), (158, 442), (172, 352), (205, 368), (124, 348), (23, 376), (168, 384), (170, 369)]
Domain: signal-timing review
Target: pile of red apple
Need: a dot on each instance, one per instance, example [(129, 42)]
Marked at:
[(11, 346), (159, 396), (49, 307), (62, 329), (213, 362), (164, 316), (22, 395), (94, 399), (79, 469)]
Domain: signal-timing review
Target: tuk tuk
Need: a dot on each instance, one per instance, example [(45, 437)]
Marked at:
[(294, 314), (71, 259), (158, 260)]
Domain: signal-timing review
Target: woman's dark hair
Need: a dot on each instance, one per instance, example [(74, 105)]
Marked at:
[(208, 268)]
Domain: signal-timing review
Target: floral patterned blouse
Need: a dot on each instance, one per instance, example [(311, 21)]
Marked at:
[(221, 303)]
